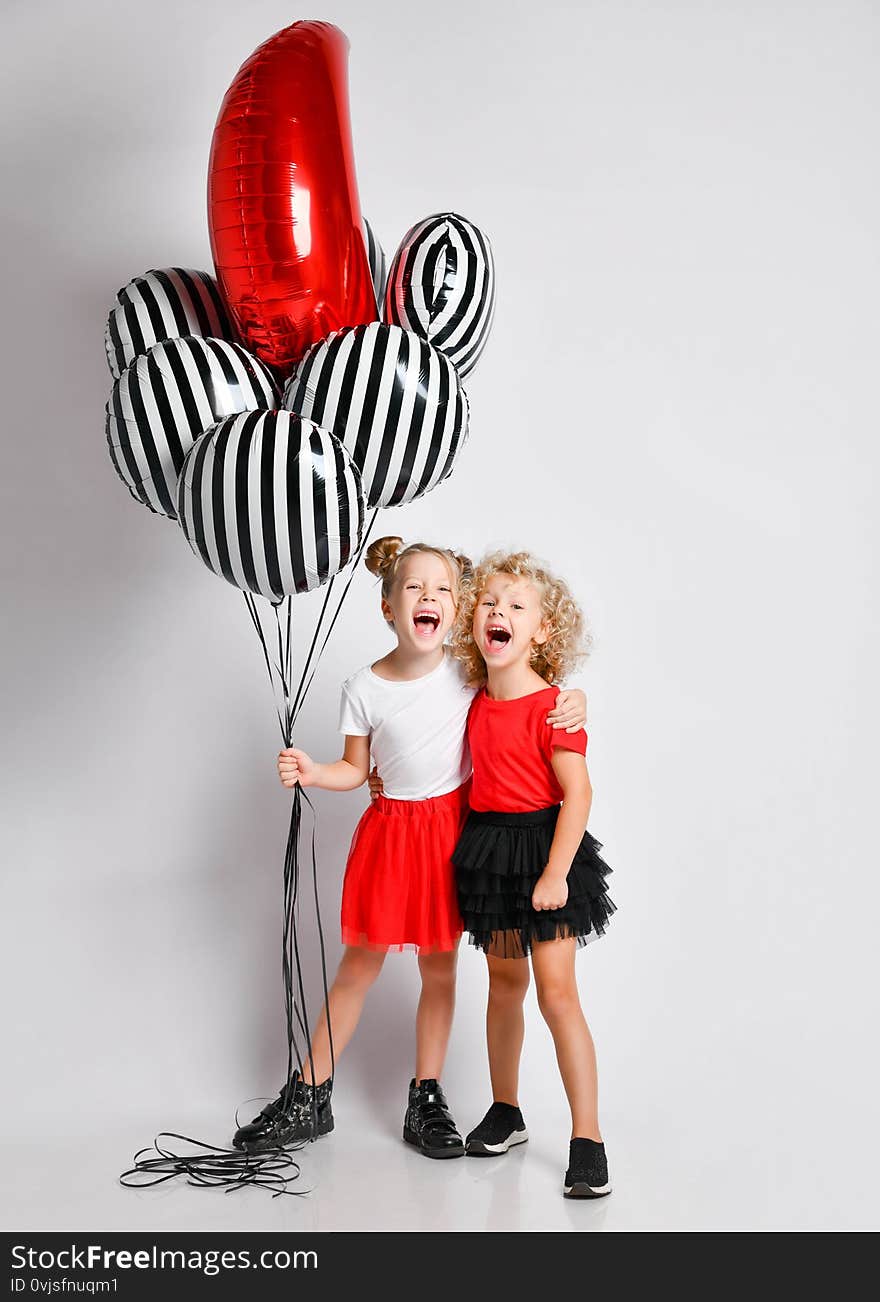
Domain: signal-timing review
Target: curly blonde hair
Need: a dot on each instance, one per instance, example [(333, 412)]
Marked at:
[(568, 640), (384, 557)]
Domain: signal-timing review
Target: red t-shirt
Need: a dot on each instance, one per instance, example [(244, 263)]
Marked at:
[(511, 748)]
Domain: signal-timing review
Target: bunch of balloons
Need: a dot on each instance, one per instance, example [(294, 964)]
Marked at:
[(268, 409)]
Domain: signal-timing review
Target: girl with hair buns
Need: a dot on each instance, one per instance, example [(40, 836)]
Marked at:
[(409, 711), (530, 878)]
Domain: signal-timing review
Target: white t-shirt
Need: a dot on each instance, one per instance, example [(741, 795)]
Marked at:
[(417, 729)]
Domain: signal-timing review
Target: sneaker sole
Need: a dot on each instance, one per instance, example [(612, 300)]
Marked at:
[(478, 1149), (410, 1137), (580, 1189)]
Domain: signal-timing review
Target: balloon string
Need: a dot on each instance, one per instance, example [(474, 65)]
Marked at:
[(231, 1169), (295, 999), (301, 695), (291, 953), (311, 650), (252, 611), (289, 943), (289, 661), (321, 939), (284, 660), (213, 1167)]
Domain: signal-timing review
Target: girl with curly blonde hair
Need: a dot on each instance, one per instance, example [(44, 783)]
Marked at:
[(531, 882), (407, 711)]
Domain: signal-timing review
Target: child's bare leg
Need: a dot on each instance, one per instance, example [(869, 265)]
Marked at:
[(558, 999), (505, 1024), (434, 1016), (356, 973)]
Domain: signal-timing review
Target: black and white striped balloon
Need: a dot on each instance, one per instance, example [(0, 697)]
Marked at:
[(271, 503), (164, 400), (166, 304), (378, 265), (394, 402), (442, 286)]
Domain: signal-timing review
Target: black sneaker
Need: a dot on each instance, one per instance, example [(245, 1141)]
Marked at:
[(428, 1122), (500, 1129), (290, 1119), (587, 1174)]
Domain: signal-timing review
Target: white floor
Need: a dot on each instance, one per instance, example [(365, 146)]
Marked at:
[(363, 1178)]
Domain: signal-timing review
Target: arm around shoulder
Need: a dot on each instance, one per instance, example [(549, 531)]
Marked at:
[(570, 710)]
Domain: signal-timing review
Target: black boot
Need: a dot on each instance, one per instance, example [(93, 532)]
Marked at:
[(299, 1113), (428, 1123)]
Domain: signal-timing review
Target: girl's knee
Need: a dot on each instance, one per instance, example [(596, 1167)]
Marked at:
[(438, 971), (558, 1000), (508, 978)]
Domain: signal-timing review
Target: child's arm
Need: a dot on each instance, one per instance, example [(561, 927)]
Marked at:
[(295, 766), (570, 710), (551, 888)]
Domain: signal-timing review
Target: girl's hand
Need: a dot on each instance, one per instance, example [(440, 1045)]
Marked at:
[(295, 766), (570, 711), (551, 891), (375, 784)]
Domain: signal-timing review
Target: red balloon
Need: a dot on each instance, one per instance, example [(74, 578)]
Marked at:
[(283, 209)]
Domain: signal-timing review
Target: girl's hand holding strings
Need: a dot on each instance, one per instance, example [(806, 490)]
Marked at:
[(375, 784), (295, 766)]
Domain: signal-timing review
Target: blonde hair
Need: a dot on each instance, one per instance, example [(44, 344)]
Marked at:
[(384, 557), (568, 640)]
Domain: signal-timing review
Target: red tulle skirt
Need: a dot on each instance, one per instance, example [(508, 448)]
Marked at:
[(399, 888)]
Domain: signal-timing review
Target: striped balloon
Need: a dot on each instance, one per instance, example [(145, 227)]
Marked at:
[(442, 286), (161, 305), (271, 503), (394, 402), (378, 266), (164, 400)]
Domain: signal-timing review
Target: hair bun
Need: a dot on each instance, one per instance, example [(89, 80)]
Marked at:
[(382, 554), (465, 567)]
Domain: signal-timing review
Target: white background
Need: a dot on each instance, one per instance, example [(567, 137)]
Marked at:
[(678, 407)]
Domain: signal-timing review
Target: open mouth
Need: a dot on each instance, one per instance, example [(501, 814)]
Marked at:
[(497, 636), (426, 622)]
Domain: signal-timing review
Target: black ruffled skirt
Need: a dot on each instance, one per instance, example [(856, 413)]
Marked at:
[(498, 860)]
